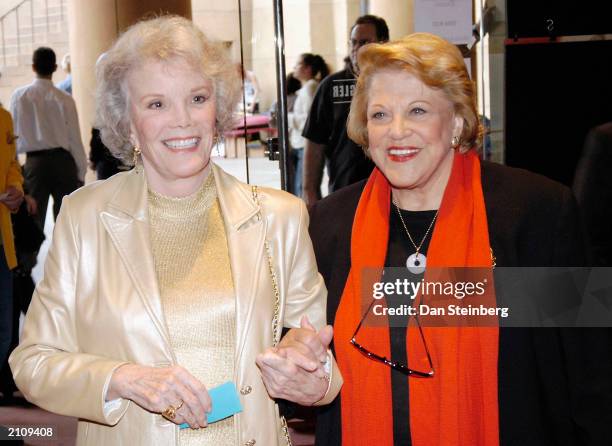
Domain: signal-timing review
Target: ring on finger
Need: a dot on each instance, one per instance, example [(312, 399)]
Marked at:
[(170, 412)]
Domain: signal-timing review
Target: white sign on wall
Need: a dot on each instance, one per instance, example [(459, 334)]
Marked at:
[(451, 19)]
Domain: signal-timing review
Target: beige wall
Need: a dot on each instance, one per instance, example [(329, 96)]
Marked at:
[(6, 5), (397, 14), (49, 30), (319, 26), (218, 19)]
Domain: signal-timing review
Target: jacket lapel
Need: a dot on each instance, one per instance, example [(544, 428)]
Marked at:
[(126, 221), (245, 230)]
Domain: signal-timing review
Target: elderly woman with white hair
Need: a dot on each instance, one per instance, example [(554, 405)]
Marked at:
[(173, 278)]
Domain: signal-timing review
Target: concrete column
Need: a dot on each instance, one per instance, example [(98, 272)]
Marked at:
[(399, 15), (94, 26), (130, 11)]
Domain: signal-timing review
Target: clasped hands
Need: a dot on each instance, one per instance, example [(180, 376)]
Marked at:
[(295, 369)]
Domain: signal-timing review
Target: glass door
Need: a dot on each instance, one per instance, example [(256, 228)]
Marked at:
[(246, 28)]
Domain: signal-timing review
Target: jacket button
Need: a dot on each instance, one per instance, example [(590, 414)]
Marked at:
[(245, 390), (250, 443)]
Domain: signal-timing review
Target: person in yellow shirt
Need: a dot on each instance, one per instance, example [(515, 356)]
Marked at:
[(11, 195)]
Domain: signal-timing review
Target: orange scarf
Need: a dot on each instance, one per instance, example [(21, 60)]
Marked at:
[(458, 406)]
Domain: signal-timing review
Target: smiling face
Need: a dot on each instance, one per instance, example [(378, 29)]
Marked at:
[(410, 128), (172, 113)]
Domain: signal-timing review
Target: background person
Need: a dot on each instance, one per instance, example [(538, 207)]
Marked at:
[(293, 85), (250, 89), (593, 190), (414, 112), (66, 84), (47, 125), (101, 160), (310, 69), (11, 196), (325, 130), (154, 259)]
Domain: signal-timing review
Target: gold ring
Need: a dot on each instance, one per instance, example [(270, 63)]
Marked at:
[(170, 412)]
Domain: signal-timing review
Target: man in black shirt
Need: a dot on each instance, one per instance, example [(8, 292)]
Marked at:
[(325, 130)]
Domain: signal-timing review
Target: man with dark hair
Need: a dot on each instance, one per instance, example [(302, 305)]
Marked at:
[(43, 61), (47, 127), (325, 130)]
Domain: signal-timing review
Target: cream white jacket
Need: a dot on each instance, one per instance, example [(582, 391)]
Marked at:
[(98, 307)]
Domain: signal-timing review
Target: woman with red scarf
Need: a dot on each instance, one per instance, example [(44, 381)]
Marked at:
[(432, 202)]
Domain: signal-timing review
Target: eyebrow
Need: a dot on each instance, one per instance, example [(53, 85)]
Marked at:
[(423, 101), (149, 96), (201, 87)]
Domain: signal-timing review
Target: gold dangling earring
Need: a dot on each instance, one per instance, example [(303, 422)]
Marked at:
[(136, 153), (215, 143), (454, 142)]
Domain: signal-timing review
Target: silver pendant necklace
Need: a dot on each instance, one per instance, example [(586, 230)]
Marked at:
[(416, 262)]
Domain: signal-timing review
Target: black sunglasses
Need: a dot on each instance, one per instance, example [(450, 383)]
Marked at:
[(403, 368)]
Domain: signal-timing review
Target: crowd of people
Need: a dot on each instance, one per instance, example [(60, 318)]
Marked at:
[(171, 278)]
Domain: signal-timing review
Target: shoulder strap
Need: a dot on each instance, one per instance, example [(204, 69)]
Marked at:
[(272, 272)]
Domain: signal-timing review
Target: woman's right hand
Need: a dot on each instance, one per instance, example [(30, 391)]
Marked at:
[(157, 388)]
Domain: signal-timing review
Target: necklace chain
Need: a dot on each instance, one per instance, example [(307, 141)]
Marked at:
[(416, 248)]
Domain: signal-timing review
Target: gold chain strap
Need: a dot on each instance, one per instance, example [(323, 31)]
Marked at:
[(286, 431), (275, 332)]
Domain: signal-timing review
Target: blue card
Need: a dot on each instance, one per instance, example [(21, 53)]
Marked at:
[(225, 403)]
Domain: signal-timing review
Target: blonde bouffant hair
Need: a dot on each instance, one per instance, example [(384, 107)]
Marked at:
[(160, 39), (437, 63)]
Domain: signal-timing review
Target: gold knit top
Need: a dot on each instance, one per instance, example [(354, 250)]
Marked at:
[(197, 293)]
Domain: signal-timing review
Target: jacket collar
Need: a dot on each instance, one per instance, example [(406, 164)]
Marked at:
[(126, 221), (236, 202), (130, 198)]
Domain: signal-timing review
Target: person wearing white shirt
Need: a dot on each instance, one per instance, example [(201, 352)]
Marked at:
[(310, 69), (47, 127)]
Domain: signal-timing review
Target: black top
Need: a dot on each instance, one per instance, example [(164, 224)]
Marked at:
[(554, 385), (399, 248), (101, 158), (326, 125)]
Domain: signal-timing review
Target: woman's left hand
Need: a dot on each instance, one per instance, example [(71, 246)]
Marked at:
[(294, 370)]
